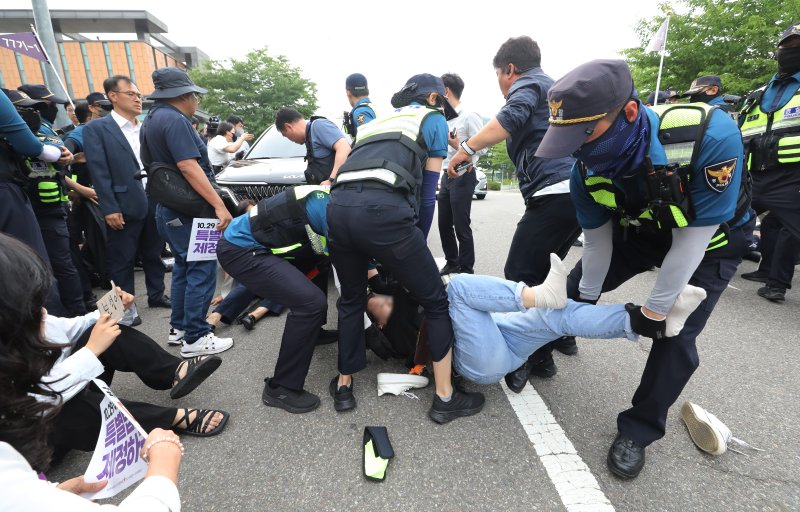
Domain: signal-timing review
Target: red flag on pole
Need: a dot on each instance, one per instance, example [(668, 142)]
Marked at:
[(24, 43)]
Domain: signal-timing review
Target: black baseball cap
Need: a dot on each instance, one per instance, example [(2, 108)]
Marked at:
[(701, 82), (171, 82), (20, 99), (425, 83), (791, 30), (41, 92), (98, 99), (662, 96), (579, 100), (356, 83)]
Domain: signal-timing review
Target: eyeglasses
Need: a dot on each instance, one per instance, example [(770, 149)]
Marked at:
[(130, 94), (198, 97)]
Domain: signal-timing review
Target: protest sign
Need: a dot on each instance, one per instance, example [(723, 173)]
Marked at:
[(203, 240), (117, 456), (111, 304)]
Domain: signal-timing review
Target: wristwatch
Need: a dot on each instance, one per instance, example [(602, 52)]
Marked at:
[(467, 149)]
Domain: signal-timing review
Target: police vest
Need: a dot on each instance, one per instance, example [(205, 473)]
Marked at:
[(318, 169), (280, 223), (390, 150), (772, 140), (666, 189), (46, 185)]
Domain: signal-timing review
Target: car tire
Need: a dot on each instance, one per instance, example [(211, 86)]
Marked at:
[(480, 197)]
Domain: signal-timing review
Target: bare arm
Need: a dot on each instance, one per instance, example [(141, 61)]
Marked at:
[(342, 149), (489, 135)]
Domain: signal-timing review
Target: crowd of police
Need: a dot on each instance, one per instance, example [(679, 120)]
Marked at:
[(679, 186)]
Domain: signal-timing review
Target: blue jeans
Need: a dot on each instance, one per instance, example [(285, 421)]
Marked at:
[(193, 282), (495, 333)]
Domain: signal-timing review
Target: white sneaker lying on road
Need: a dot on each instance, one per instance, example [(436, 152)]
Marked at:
[(708, 432), (175, 337), (399, 383), (207, 345)]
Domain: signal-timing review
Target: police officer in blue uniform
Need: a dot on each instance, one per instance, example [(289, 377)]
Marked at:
[(48, 193), (358, 95), (770, 124), (385, 184), (17, 142), (644, 200), (707, 89)]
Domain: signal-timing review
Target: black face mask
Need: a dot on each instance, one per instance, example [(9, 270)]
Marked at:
[(702, 97), (31, 117), (788, 61), (49, 112)]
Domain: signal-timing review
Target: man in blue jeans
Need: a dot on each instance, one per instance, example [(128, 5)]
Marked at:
[(168, 137)]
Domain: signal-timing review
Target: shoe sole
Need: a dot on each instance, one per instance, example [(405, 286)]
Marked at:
[(189, 355), (175, 343), (618, 472), (201, 372), (702, 433), (270, 401), (445, 417), (344, 405), (571, 351)]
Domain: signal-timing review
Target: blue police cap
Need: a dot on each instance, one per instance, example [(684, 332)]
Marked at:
[(356, 83), (41, 92), (791, 30), (20, 99), (425, 83)]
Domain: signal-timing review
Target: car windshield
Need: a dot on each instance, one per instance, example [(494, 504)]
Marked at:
[(274, 145)]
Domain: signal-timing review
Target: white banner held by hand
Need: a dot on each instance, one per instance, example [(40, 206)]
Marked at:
[(203, 241), (117, 456)]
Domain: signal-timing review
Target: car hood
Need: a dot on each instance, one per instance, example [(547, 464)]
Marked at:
[(268, 170)]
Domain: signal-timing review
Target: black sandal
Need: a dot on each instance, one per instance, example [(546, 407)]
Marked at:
[(199, 368), (198, 426)]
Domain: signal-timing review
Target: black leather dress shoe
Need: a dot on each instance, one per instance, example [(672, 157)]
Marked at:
[(544, 369), (517, 379), (449, 269), (625, 457), (752, 256), (163, 302), (772, 293), (566, 345), (758, 276), (248, 322)]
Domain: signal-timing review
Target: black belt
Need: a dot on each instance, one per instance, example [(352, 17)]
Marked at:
[(366, 184)]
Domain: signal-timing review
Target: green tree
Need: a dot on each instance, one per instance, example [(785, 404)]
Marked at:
[(254, 88), (734, 39), (496, 162)]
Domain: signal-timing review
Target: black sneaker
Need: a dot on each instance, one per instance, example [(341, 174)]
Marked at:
[(327, 336), (461, 404), (543, 369), (759, 276), (566, 345), (295, 402), (772, 293), (343, 398), (449, 268)]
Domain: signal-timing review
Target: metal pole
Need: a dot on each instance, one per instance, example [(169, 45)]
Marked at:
[(47, 40), (661, 64)]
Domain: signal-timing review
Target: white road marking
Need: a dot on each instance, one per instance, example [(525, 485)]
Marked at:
[(575, 483), (737, 289)]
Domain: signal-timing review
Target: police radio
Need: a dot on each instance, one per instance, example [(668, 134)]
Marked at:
[(349, 125)]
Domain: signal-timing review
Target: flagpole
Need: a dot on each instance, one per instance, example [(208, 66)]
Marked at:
[(661, 64), (55, 69)]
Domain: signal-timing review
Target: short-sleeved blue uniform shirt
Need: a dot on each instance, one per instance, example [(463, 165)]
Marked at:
[(324, 134), (714, 186), (362, 112), (238, 231), (434, 131), (171, 138)]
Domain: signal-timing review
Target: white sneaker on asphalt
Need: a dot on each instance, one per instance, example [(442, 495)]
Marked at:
[(398, 384), (709, 433), (207, 345), (175, 337)]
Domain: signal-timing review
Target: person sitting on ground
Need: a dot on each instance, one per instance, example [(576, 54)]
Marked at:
[(234, 305), (26, 357)]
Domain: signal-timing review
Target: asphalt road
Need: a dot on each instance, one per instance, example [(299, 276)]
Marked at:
[(268, 459)]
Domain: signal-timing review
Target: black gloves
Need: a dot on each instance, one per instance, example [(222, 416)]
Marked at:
[(644, 326)]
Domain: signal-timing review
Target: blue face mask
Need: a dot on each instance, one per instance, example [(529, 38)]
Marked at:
[(621, 150)]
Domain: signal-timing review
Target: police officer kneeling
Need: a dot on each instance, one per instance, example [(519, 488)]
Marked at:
[(270, 250), (373, 212), (652, 187)]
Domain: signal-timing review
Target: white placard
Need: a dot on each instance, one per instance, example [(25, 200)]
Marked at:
[(111, 304), (203, 242), (117, 456)]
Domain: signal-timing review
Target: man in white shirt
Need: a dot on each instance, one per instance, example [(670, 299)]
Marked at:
[(222, 148), (111, 145), (455, 193)]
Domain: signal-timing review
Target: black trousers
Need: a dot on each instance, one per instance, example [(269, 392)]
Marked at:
[(18, 220), (78, 424), (273, 278), (237, 301), (55, 233), (779, 252), (379, 223), (138, 236), (455, 206), (671, 361), (75, 225)]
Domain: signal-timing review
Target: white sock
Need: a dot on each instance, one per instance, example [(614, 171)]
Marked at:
[(687, 302), (552, 293)]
